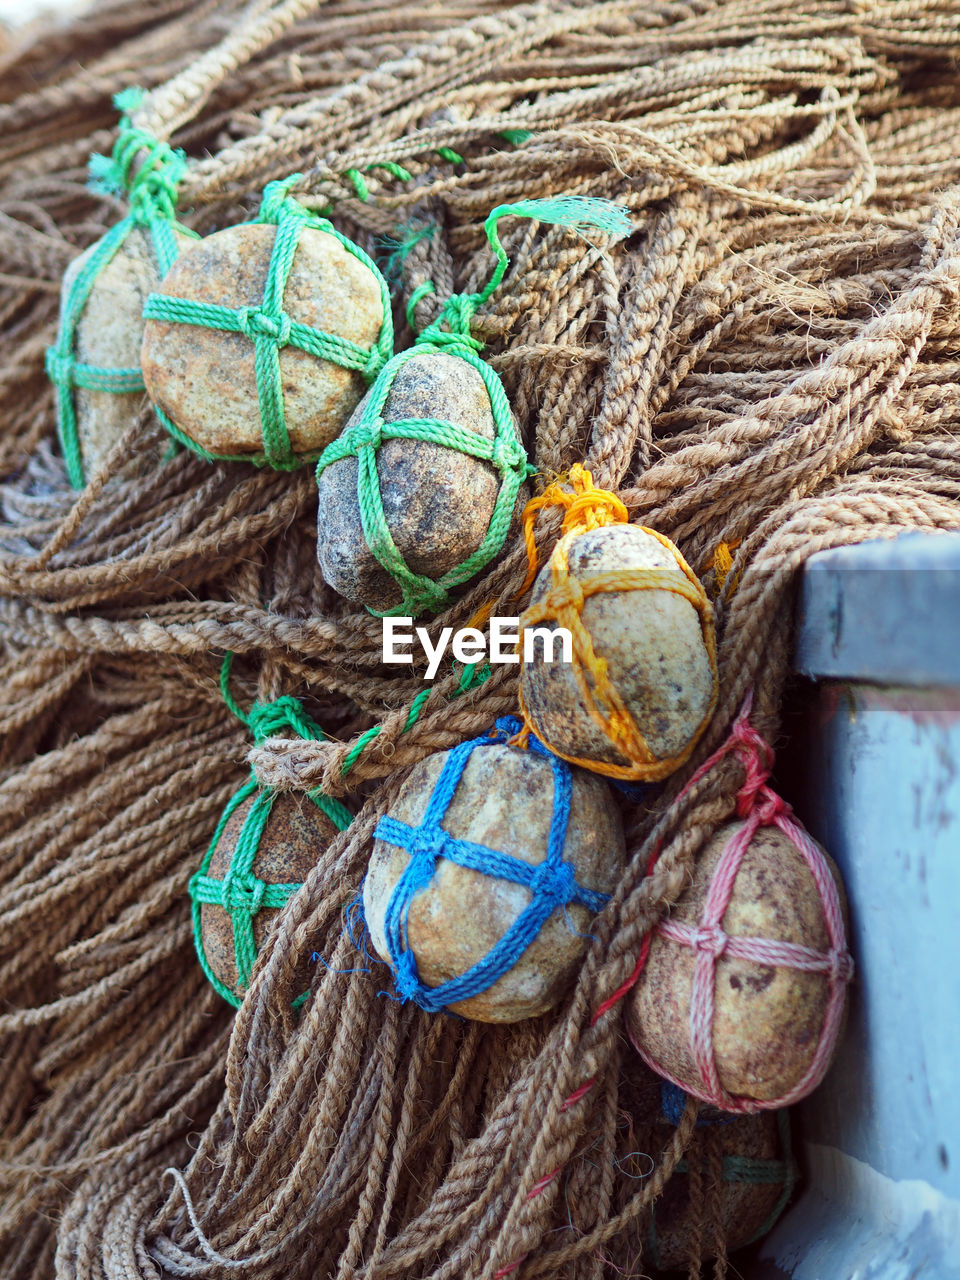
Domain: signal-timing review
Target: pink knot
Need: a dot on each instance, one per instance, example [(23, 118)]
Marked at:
[(711, 939), (762, 801), (841, 967)]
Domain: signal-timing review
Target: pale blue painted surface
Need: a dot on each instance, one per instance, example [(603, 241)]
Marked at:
[(877, 781)]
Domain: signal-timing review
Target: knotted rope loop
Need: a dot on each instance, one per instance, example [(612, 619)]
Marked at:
[(584, 505), (711, 940), (255, 323), (586, 508), (271, 329), (552, 883), (242, 893)]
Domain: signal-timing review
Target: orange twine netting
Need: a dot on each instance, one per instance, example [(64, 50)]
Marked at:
[(586, 508)]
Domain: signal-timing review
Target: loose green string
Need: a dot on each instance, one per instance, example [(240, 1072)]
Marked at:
[(270, 329), (151, 190), (450, 335), (241, 892)]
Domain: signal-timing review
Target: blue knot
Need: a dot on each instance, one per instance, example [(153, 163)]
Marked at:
[(243, 894), (556, 882), (405, 977), (427, 844), (257, 324)]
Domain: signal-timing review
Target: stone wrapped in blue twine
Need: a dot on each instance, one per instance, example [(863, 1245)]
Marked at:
[(242, 893), (552, 882), (147, 172), (450, 335)]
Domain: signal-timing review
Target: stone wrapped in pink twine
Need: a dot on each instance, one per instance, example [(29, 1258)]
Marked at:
[(759, 806)]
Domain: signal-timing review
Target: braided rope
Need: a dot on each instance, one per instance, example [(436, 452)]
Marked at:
[(552, 882), (270, 329), (148, 172), (589, 508), (241, 892)]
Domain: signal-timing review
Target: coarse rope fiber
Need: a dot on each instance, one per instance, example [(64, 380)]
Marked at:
[(767, 362)]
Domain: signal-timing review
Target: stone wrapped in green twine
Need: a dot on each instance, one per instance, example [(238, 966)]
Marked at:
[(420, 491), (265, 845), (258, 346), (95, 362), (748, 1162)]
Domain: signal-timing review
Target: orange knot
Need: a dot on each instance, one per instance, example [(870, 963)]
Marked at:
[(723, 562), (565, 594), (586, 506)]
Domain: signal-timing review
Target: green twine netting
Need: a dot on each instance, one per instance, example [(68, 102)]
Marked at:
[(270, 329), (148, 172), (450, 335), (752, 1170), (241, 892)]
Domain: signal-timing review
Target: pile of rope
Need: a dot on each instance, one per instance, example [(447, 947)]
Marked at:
[(768, 366)]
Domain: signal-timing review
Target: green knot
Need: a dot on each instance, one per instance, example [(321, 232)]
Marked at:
[(453, 344), (59, 366), (144, 168), (257, 323), (277, 204), (273, 719), (242, 892), (365, 435), (508, 453)]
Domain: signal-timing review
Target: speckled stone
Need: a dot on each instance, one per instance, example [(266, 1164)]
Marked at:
[(652, 643), (294, 838), (767, 1019), (205, 379), (437, 501), (744, 1207), (504, 801), (108, 334)]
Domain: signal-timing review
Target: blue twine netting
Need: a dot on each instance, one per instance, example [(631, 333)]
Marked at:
[(552, 882)]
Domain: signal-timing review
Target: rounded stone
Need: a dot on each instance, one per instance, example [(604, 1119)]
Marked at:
[(504, 801), (437, 501), (767, 1019), (294, 838), (205, 380), (652, 642), (108, 334), (744, 1210)]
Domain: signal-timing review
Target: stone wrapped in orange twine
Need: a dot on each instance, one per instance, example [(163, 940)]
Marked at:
[(589, 508), (693, 1051)]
